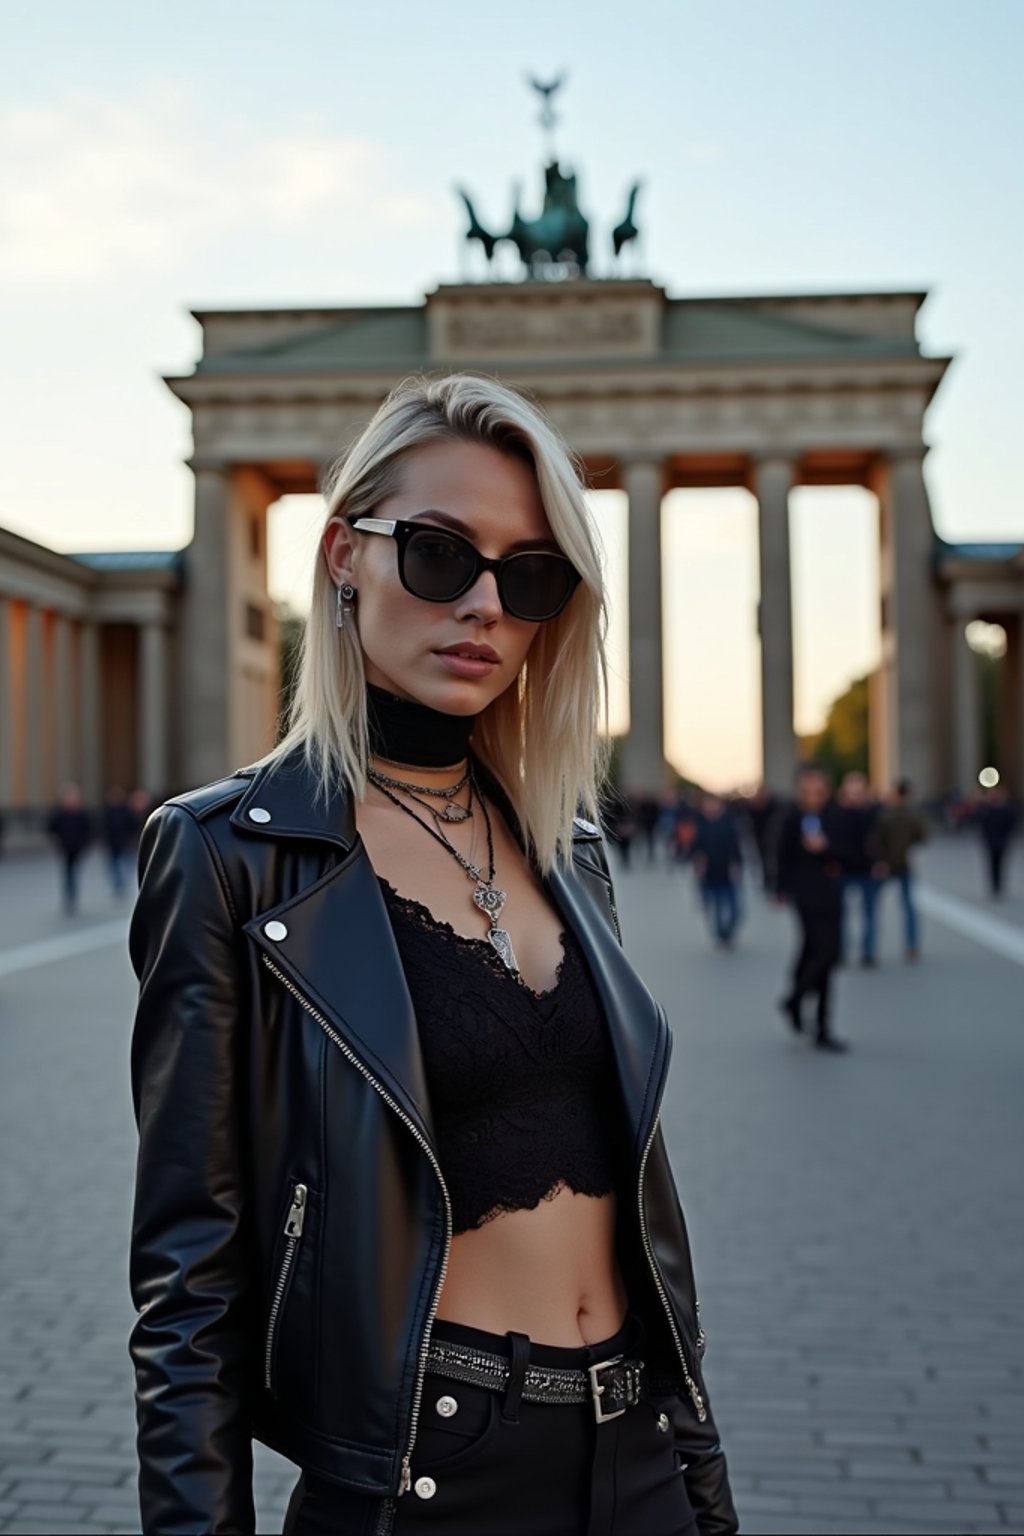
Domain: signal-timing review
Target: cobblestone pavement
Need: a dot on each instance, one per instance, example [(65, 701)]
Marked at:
[(857, 1221)]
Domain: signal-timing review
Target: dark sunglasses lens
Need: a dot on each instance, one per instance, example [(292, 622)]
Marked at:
[(537, 587), (438, 565)]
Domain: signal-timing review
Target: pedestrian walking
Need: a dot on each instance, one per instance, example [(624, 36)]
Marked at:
[(403, 1209), (620, 825), (856, 845), (648, 816), (70, 827), (718, 862), (120, 831), (996, 819), (900, 828), (809, 877)]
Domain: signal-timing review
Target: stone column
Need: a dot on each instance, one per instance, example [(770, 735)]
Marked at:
[(643, 758), (966, 711), (773, 480), (206, 614), (65, 757), (89, 710), (36, 784), (153, 706), (7, 727), (912, 633)]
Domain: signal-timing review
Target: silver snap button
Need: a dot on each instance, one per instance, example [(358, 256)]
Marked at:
[(275, 931), (425, 1487), (446, 1406), (663, 1422), (257, 813)]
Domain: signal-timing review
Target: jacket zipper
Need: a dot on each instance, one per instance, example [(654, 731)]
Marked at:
[(293, 1232), (691, 1385), (405, 1482)]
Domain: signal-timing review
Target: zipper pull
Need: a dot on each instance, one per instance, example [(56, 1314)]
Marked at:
[(698, 1401), (296, 1212), (406, 1479)]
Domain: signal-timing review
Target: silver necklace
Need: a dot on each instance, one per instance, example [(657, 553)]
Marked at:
[(489, 897), (451, 811)]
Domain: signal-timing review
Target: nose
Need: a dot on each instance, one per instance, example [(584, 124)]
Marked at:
[(481, 601)]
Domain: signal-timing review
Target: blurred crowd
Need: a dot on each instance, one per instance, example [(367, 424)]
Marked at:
[(73, 829), (824, 853)]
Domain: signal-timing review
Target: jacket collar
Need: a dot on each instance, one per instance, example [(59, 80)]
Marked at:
[(283, 800)]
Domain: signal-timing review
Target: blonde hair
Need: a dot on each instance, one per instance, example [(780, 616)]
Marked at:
[(541, 737)]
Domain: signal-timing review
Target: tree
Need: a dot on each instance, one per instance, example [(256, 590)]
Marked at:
[(842, 747), (290, 628)]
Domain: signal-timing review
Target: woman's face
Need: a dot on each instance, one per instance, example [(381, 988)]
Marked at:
[(411, 646)]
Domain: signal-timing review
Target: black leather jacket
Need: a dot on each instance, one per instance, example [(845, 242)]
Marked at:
[(291, 1222)]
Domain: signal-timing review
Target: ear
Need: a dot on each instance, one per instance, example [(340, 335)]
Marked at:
[(338, 545)]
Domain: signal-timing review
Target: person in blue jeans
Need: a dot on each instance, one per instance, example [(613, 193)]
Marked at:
[(857, 850), (900, 828), (718, 862)]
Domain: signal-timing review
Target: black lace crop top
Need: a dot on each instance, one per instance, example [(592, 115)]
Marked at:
[(521, 1083)]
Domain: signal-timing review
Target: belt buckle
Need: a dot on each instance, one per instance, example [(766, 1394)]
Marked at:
[(598, 1388)]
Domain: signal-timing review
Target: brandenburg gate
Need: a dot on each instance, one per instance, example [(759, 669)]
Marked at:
[(652, 393)]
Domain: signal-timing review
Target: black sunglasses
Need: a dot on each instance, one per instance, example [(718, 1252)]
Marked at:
[(438, 566)]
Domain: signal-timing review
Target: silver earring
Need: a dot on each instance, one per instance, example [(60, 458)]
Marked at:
[(344, 609)]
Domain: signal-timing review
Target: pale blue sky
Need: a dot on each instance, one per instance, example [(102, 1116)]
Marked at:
[(152, 159)]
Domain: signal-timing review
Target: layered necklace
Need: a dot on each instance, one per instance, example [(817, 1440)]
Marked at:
[(487, 896)]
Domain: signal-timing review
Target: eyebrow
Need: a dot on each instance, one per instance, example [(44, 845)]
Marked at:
[(457, 526)]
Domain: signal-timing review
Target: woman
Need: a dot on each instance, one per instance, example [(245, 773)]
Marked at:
[(403, 1208)]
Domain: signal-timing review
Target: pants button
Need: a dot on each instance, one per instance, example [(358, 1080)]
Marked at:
[(425, 1487), (663, 1422), (447, 1406)]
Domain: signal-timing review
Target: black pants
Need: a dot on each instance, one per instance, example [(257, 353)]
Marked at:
[(497, 1466), (820, 921), (996, 855)]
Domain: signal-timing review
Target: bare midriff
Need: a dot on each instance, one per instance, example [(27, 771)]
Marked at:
[(550, 1272)]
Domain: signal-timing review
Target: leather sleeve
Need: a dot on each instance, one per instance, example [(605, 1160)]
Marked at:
[(189, 1264)]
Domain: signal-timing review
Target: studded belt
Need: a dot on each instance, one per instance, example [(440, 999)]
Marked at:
[(611, 1386)]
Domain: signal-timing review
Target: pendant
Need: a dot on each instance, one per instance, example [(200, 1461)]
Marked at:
[(502, 942), (453, 812), (490, 900)]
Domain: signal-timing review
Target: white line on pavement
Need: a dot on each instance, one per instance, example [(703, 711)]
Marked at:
[(965, 918), (27, 957)]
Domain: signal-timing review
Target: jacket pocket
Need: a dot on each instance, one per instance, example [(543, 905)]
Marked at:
[(291, 1310)]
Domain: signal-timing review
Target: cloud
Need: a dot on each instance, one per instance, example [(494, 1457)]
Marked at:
[(92, 190)]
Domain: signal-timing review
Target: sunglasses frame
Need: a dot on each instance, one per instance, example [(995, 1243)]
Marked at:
[(402, 531)]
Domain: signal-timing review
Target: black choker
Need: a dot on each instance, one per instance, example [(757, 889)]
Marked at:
[(402, 731)]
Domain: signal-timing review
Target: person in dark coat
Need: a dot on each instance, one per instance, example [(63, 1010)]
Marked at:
[(996, 819), (718, 863), (900, 828), (70, 827), (856, 843), (120, 829), (809, 878)]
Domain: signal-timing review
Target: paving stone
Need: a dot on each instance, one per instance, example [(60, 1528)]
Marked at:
[(946, 1510), (58, 1512), (39, 1489)]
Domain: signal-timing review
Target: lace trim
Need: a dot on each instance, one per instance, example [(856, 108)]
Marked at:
[(417, 912)]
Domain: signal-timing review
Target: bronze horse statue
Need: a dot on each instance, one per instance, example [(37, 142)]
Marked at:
[(560, 234)]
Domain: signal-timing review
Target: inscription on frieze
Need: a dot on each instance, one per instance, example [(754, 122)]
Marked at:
[(542, 323)]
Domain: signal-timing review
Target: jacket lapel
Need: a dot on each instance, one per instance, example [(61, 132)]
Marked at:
[(636, 1023), (333, 939)]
